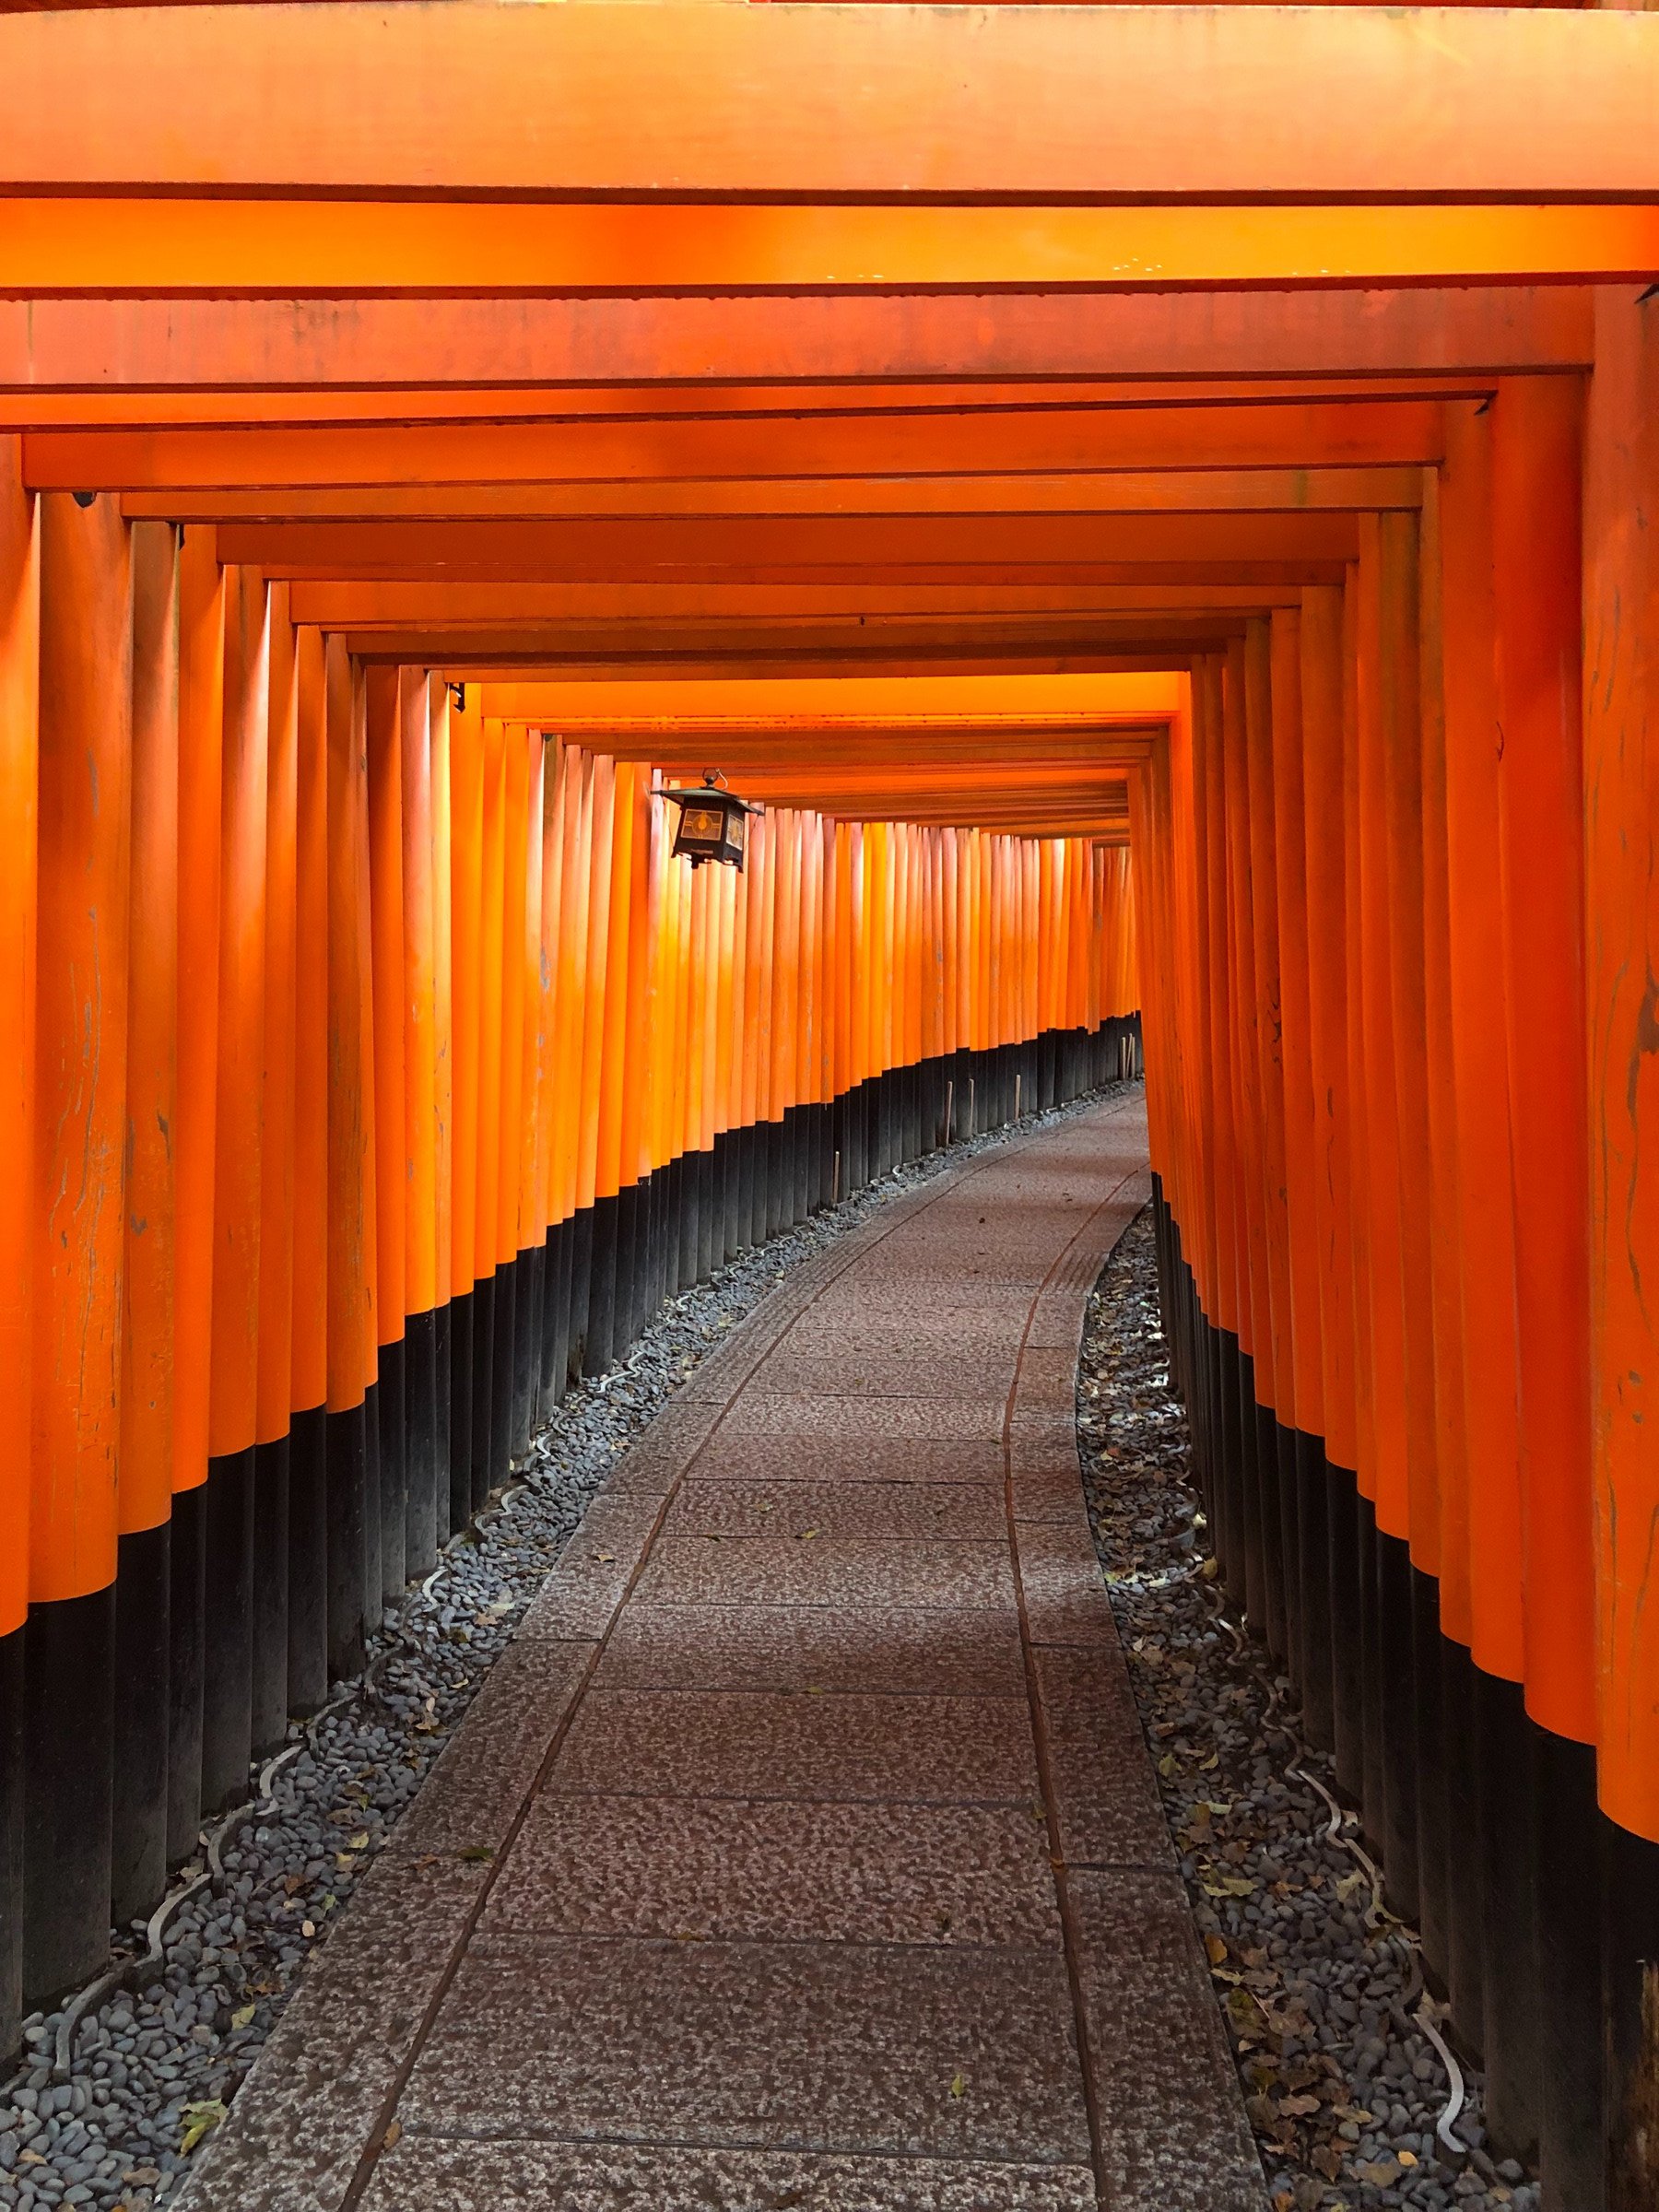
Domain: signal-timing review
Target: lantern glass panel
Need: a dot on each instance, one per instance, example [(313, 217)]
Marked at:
[(702, 825)]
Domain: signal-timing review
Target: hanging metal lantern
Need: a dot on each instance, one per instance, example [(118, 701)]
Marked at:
[(711, 821)]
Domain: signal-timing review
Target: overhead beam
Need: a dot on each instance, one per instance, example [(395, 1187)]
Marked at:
[(1112, 105), (1014, 745), (1272, 434), (854, 702), (471, 248), (112, 344), (714, 665), (847, 647), (250, 407), (437, 606), (617, 547), (1193, 491)]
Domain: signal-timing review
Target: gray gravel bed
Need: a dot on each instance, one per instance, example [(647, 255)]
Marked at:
[(153, 2070), (1342, 2086)]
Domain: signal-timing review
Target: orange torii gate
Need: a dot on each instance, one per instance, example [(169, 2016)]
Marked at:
[(1232, 358)]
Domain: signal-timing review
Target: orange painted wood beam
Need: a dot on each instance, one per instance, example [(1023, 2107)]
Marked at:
[(250, 407), (854, 702), (437, 606), (1271, 434), (588, 656), (1187, 491), (768, 750), (1107, 105), (203, 345), (600, 548), (503, 665), (121, 243)]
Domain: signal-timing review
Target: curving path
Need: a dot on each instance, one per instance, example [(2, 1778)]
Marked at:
[(803, 1850)]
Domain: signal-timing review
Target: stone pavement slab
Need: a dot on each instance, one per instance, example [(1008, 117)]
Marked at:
[(937, 1652), (953, 1511), (801, 2046), (802, 1565), (427, 2173), (691, 1743), (790, 1871), (826, 1868)]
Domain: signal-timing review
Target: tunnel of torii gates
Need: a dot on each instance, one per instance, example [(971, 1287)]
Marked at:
[(1159, 506)]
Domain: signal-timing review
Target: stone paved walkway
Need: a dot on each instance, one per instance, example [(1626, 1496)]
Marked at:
[(802, 1849)]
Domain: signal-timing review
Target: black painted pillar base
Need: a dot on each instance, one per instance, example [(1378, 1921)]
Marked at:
[(1274, 1624), (623, 1291), (460, 1409), (426, 1509), (272, 1483), (187, 1605), (526, 1330), (373, 1598), (1348, 1635), (1313, 1482), (11, 1844), (443, 1400), (635, 1246), (559, 1347), (1287, 1478), (395, 1472), (68, 1774), (308, 1562), (1373, 1788), (1465, 1966), (581, 1268), (228, 1642), (1251, 1518), (138, 1818), (777, 1179), (1433, 1835), (1629, 1980), (501, 1392), (1570, 1920), (706, 1255), (1399, 1726), (599, 1346), (481, 1381), (1510, 1890), (347, 1457)]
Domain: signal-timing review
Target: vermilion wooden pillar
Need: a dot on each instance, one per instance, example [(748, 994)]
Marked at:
[(19, 727), (232, 1405), (351, 1189), (201, 776), (78, 1213), (275, 1399), (1621, 777), (308, 1337), (138, 1869), (1537, 451)]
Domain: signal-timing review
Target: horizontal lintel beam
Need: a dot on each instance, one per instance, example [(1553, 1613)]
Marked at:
[(468, 249), (1107, 105), (1098, 491), (107, 346)]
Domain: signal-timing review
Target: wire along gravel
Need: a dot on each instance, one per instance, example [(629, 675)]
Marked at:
[(1322, 1994)]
